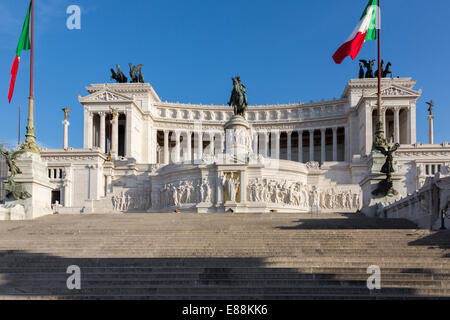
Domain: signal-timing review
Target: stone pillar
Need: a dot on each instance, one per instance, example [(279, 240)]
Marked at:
[(255, 142), (300, 145), (102, 132), (219, 189), (166, 147), (66, 134), (66, 200), (154, 147), (311, 144), (177, 147), (396, 125), (189, 145), (266, 144), (383, 111), (115, 136), (211, 143), (335, 144), (322, 146), (243, 188), (276, 145), (90, 139), (128, 131), (347, 144), (108, 183), (200, 145), (222, 143), (430, 129), (289, 145)]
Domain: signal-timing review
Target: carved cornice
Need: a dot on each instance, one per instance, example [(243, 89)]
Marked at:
[(72, 155)]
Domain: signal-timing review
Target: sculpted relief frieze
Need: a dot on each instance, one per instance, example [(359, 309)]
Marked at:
[(186, 192), (131, 201), (300, 194)]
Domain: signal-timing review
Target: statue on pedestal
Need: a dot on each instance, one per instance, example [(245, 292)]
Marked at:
[(385, 187), (15, 190), (238, 99), (66, 112), (430, 107)]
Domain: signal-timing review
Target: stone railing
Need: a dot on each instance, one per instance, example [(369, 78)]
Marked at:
[(425, 206)]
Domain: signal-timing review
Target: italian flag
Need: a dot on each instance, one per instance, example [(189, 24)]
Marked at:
[(365, 30), (24, 44)]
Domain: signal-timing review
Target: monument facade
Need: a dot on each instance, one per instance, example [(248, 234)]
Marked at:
[(142, 154)]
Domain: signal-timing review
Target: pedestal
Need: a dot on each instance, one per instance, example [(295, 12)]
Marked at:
[(238, 139), (35, 181), (372, 203)]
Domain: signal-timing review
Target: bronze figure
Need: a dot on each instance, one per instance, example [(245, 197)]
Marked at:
[(118, 76), (238, 99), (66, 112)]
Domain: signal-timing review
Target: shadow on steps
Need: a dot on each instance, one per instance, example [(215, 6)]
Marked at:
[(350, 221), (34, 275)]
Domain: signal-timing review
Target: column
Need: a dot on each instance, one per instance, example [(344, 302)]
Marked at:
[(219, 189), (300, 145), (200, 145), (189, 145), (177, 147), (289, 145), (66, 134), (115, 135), (166, 147), (322, 146), (311, 144), (347, 156), (243, 187), (154, 146), (128, 131), (430, 129), (266, 144), (102, 132), (108, 183), (335, 144), (397, 125), (90, 130), (276, 145), (383, 112), (211, 143), (66, 202), (222, 143), (255, 142), (412, 123)]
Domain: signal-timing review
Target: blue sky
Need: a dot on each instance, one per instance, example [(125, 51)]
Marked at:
[(190, 50)]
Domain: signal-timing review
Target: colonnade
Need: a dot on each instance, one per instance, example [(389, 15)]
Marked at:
[(176, 147)]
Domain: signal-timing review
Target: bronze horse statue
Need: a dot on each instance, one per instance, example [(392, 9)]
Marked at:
[(118, 76), (238, 99)]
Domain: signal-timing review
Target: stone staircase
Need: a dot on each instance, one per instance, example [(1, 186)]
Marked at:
[(221, 256)]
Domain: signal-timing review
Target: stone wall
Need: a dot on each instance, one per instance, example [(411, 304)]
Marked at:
[(424, 207)]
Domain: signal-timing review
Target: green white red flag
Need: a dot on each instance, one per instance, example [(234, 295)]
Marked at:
[(364, 31), (24, 44)]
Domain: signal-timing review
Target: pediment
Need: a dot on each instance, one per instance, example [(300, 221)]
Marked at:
[(396, 91), (105, 96)]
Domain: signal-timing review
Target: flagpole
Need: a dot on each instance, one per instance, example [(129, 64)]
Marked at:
[(379, 133), (18, 140), (30, 141)]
